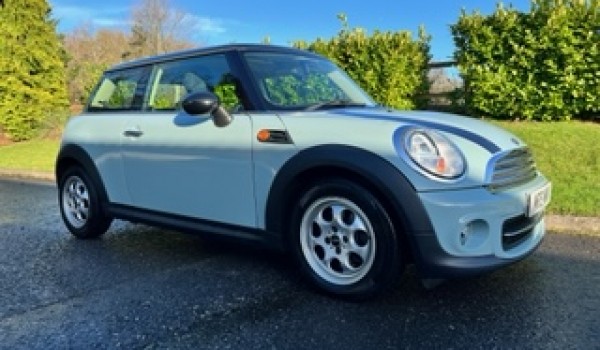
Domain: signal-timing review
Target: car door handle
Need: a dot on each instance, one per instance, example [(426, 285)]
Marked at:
[(133, 132)]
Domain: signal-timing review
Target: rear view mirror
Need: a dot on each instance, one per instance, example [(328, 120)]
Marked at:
[(200, 103)]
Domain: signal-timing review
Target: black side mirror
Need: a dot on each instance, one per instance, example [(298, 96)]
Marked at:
[(199, 103)]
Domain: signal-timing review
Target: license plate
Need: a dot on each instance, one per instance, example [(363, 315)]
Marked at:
[(538, 200)]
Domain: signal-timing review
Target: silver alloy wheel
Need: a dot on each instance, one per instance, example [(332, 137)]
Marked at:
[(76, 201), (338, 241)]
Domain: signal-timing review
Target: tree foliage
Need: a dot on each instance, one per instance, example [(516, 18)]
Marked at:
[(89, 54), (542, 65), (158, 28), (32, 87), (390, 66)]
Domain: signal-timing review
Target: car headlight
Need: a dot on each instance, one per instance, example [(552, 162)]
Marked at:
[(434, 153)]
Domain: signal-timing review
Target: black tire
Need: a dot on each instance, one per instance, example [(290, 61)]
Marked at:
[(344, 241), (80, 204)]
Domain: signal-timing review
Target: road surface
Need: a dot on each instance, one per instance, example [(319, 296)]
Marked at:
[(145, 288)]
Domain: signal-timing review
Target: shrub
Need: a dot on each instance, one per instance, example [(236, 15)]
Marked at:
[(542, 65), (390, 66)]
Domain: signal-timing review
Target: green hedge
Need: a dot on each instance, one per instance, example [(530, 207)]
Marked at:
[(390, 66), (541, 65)]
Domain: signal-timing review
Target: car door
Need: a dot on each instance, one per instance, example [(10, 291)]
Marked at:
[(118, 97), (184, 165)]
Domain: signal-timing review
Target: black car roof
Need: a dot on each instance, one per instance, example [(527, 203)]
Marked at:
[(207, 50)]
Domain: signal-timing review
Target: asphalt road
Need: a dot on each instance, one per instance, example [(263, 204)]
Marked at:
[(141, 287)]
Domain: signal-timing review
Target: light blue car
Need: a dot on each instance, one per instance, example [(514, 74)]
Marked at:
[(278, 146)]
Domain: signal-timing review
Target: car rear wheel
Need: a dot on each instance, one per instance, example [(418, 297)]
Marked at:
[(344, 240), (80, 205)]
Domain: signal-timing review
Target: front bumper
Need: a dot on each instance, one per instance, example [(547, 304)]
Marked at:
[(476, 231)]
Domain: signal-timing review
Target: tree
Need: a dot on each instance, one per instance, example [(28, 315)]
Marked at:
[(32, 86), (90, 53), (158, 28)]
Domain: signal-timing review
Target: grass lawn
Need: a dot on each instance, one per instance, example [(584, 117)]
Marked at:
[(568, 153), (35, 155)]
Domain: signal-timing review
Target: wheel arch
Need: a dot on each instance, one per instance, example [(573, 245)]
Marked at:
[(73, 155), (367, 169)]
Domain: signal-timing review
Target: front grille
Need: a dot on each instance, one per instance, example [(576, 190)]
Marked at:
[(510, 168), (517, 230)]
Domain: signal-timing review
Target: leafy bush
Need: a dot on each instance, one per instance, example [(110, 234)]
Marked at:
[(390, 66), (542, 65), (227, 95)]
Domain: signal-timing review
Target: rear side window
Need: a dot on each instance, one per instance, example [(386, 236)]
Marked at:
[(120, 90)]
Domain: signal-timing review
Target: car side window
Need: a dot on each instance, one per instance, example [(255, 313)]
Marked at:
[(173, 81), (120, 90)]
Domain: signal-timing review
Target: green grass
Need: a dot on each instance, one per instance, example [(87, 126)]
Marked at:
[(35, 155), (568, 153)]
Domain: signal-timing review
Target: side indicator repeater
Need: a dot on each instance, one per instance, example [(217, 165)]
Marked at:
[(273, 136), (263, 135)]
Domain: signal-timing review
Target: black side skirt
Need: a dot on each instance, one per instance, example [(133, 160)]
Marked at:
[(194, 225)]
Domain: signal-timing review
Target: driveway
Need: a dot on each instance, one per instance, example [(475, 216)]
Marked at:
[(141, 287)]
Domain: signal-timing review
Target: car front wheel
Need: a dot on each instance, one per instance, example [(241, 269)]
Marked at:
[(80, 205), (344, 240)]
